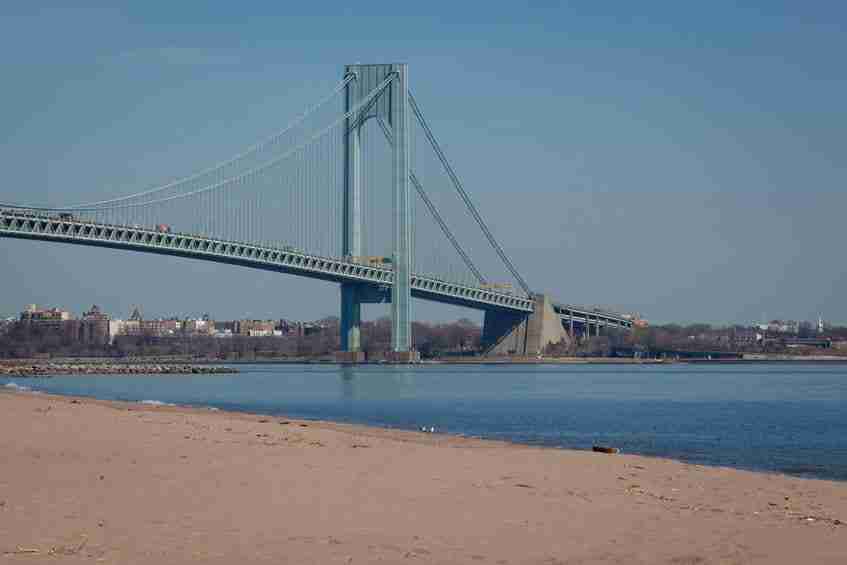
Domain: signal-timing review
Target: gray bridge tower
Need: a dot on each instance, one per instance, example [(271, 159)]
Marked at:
[(391, 108)]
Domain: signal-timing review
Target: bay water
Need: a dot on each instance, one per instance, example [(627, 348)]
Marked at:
[(787, 418)]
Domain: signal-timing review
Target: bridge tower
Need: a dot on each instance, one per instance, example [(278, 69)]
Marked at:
[(391, 108)]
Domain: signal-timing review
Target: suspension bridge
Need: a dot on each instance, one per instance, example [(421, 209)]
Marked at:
[(357, 191)]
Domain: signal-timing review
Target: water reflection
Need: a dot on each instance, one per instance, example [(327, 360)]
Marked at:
[(376, 383)]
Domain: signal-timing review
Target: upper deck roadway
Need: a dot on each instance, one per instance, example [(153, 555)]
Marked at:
[(22, 225)]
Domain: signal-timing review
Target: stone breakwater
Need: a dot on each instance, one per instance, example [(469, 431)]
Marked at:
[(51, 369)]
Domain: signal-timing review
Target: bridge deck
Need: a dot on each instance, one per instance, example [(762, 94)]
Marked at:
[(285, 260)]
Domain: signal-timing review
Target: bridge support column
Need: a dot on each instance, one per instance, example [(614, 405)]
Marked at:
[(509, 333), (351, 323), (401, 292), (351, 302)]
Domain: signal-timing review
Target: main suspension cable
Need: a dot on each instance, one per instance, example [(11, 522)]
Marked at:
[(434, 212), (227, 182), (256, 148), (464, 195)]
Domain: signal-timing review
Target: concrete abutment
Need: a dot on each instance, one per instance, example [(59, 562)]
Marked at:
[(511, 333)]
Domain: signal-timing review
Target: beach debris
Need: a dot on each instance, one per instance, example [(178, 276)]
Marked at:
[(523, 485), (355, 445), (304, 425), (263, 421), (102, 477), (68, 549), (605, 449), (26, 550), (429, 430), (284, 422)]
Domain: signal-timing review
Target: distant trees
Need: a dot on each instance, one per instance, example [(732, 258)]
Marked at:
[(19, 340), (431, 340), (462, 337)]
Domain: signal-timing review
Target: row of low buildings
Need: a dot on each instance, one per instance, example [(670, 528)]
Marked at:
[(97, 327), (792, 326)]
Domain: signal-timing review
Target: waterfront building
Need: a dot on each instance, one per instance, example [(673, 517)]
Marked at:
[(137, 326), (116, 328), (52, 321), (94, 327), (255, 328), (33, 313), (199, 327)]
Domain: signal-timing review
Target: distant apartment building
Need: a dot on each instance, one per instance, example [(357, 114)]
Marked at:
[(32, 313), (138, 326), (199, 327), (151, 328), (161, 328), (92, 328), (746, 336), (116, 328), (7, 324), (299, 329), (50, 321), (255, 328), (782, 326)]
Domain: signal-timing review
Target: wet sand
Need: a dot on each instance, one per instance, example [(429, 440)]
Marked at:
[(86, 481)]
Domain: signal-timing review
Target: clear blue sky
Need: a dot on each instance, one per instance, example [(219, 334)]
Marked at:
[(684, 160)]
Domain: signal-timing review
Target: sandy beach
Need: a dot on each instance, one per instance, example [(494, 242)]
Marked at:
[(85, 481)]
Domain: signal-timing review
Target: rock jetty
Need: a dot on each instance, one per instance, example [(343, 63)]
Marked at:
[(51, 369)]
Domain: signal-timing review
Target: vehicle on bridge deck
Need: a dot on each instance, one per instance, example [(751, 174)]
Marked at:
[(25, 212), (371, 260), (503, 288), (163, 228)]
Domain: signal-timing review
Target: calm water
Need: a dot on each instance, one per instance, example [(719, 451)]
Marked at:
[(780, 417)]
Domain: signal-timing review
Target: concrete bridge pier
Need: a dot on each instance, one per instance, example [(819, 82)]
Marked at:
[(509, 333), (351, 323)]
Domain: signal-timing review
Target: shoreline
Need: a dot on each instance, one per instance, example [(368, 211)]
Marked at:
[(135, 365), (126, 481), (51, 369), (376, 430), (396, 432)]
